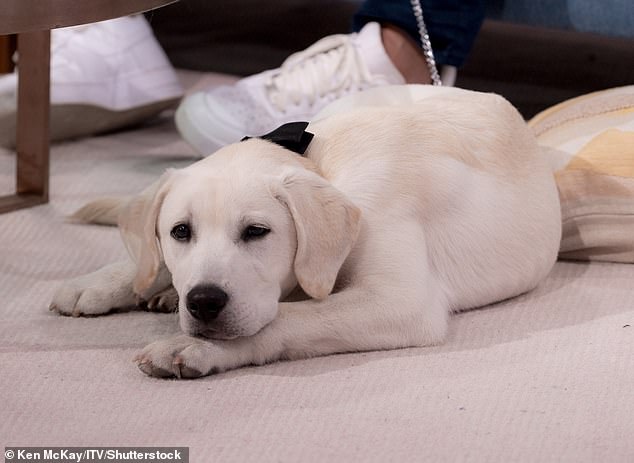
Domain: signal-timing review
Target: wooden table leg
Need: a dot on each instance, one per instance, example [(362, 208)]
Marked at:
[(7, 47), (32, 136)]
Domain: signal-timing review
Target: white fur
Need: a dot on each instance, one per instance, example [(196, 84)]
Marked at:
[(399, 216)]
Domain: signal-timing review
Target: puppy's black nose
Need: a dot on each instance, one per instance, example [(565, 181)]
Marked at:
[(205, 302)]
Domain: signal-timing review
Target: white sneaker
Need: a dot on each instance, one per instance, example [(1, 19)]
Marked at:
[(307, 81), (104, 76)]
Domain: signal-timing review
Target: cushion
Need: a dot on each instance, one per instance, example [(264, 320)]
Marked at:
[(590, 140)]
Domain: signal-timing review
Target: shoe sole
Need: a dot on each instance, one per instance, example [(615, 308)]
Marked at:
[(76, 120), (198, 127)]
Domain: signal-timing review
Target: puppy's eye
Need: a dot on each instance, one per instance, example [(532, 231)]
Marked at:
[(254, 232), (181, 232)]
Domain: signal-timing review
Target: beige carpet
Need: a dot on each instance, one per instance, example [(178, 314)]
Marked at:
[(545, 377)]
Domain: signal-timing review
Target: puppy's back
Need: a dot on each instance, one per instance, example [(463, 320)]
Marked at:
[(467, 167)]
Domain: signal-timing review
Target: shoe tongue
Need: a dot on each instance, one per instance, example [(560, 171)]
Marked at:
[(370, 47)]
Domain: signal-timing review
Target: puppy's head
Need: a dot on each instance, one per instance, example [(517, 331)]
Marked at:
[(238, 231)]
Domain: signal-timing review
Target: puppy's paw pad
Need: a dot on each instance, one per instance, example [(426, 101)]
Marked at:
[(180, 357), (151, 370), (184, 371), (166, 301)]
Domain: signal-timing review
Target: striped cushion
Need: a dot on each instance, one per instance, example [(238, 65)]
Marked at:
[(591, 142)]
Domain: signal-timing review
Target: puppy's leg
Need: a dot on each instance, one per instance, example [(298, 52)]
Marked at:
[(164, 301), (402, 307), (346, 322), (99, 292)]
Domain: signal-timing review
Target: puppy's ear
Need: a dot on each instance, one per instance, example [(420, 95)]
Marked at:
[(327, 224), (137, 223)]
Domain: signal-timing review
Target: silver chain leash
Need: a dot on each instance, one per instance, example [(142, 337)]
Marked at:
[(425, 42)]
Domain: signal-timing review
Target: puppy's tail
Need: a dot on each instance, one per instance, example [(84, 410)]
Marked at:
[(103, 211)]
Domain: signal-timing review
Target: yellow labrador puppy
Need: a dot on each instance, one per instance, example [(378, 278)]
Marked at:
[(396, 217)]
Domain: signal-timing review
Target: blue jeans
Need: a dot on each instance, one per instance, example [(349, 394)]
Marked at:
[(452, 24)]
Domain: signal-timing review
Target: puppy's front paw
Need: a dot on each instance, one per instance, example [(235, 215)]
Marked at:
[(183, 357), (75, 298), (164, 301), (98, 292)]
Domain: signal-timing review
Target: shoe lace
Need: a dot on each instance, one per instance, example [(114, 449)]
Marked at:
[(330, 65)]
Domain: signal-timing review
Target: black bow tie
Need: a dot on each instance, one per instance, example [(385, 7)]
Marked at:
[(292, 136)]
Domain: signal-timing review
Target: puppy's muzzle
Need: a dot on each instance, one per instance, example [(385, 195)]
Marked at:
[(205, 302)]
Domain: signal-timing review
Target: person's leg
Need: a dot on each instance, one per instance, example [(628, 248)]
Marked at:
[(406, 54), (452, 24)]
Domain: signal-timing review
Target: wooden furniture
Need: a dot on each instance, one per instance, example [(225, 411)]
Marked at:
[(7, 47), (32, 21)]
